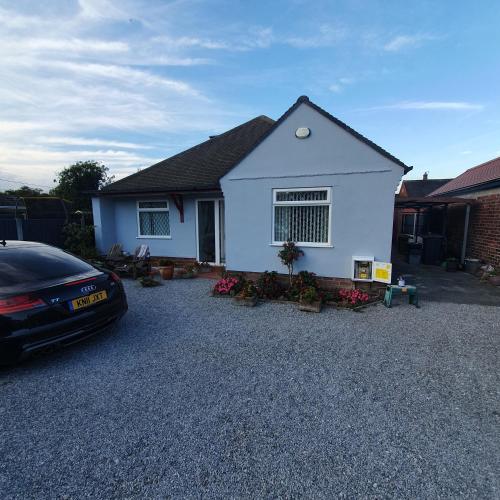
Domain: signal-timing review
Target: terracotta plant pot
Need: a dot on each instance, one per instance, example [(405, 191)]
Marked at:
[(310, 306), (167, 272)]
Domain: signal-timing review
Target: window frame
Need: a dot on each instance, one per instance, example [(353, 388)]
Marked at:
[(422, 219), (327, 202), (139, 210), (403, 224)]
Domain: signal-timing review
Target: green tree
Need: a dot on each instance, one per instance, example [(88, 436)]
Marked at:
[(25, 191), (77, 181)]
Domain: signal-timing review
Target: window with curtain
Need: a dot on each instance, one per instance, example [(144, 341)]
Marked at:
[(302, 215), (153, 219)]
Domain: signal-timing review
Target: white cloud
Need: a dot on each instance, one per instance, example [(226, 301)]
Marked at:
[(83, 141), (468, 152), (101, 9), (340, 84), (438, 105), (432, 105), (327, 36), (402, 42), (73, 91), (186, 41), (126, 75), (37, 45)]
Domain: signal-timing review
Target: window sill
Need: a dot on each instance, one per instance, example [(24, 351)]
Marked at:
[(154, 237), (305, 245)]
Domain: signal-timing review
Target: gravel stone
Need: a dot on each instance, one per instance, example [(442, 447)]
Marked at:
[(191, 396)]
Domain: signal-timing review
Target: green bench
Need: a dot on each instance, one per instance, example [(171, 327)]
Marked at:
[(393, 290)]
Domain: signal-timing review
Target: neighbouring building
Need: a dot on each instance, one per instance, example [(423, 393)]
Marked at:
[(406, 221), (482, 185), (235, 198)]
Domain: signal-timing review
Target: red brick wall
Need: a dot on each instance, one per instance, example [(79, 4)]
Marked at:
[(484, 230), (483, 241)]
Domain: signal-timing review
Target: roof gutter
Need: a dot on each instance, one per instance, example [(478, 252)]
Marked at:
[(155, 192)]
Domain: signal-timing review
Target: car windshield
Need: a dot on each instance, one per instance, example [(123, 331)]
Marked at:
[(37, 263)]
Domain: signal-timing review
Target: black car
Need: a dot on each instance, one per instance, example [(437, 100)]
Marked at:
[(50, 297)]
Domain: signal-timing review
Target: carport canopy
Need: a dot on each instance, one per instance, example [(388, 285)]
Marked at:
[(420, 203), (435, 201)]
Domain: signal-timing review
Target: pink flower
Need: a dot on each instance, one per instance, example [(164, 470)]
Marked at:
[(225, 285)]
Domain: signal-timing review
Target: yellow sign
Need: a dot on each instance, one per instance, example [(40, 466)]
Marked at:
[(382, 271)]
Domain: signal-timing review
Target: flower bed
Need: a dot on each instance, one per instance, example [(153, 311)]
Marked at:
[(302, 288), (268, 288)]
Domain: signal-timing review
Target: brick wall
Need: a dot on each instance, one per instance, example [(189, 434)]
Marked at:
[(484, 230), (483, 241)]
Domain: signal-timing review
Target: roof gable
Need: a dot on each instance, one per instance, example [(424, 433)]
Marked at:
[(305, 100), (473, 177)]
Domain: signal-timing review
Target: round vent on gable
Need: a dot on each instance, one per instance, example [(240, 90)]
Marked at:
[(302, 133)]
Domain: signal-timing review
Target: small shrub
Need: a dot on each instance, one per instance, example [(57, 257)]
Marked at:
[(327, 296), (190, 268), (269, 286), (288, 255), (80, 240), (249, 290), (309, 294), (226, 285), (353, 297), (303, 280)]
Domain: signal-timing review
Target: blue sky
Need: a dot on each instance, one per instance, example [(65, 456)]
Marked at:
[(132, 82)]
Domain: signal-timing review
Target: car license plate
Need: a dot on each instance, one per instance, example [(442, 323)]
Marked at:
[(88, 300)]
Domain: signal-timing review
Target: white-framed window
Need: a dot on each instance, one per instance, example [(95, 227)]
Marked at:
[(409, 224), (153, 219), (302, 215)]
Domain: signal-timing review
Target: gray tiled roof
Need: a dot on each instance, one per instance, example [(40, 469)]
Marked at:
[(421, 188), (197, 168)]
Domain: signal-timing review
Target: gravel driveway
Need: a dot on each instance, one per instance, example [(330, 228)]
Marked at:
[(193, 396)]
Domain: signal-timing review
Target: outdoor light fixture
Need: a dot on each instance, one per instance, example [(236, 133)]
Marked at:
[(302, 133)]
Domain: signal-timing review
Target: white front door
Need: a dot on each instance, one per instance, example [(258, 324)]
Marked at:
[(210, 231)]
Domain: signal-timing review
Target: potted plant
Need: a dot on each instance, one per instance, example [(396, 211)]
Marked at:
[(190, 271), (166, 268), (310, 300), (451, 264), (247, 296)]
